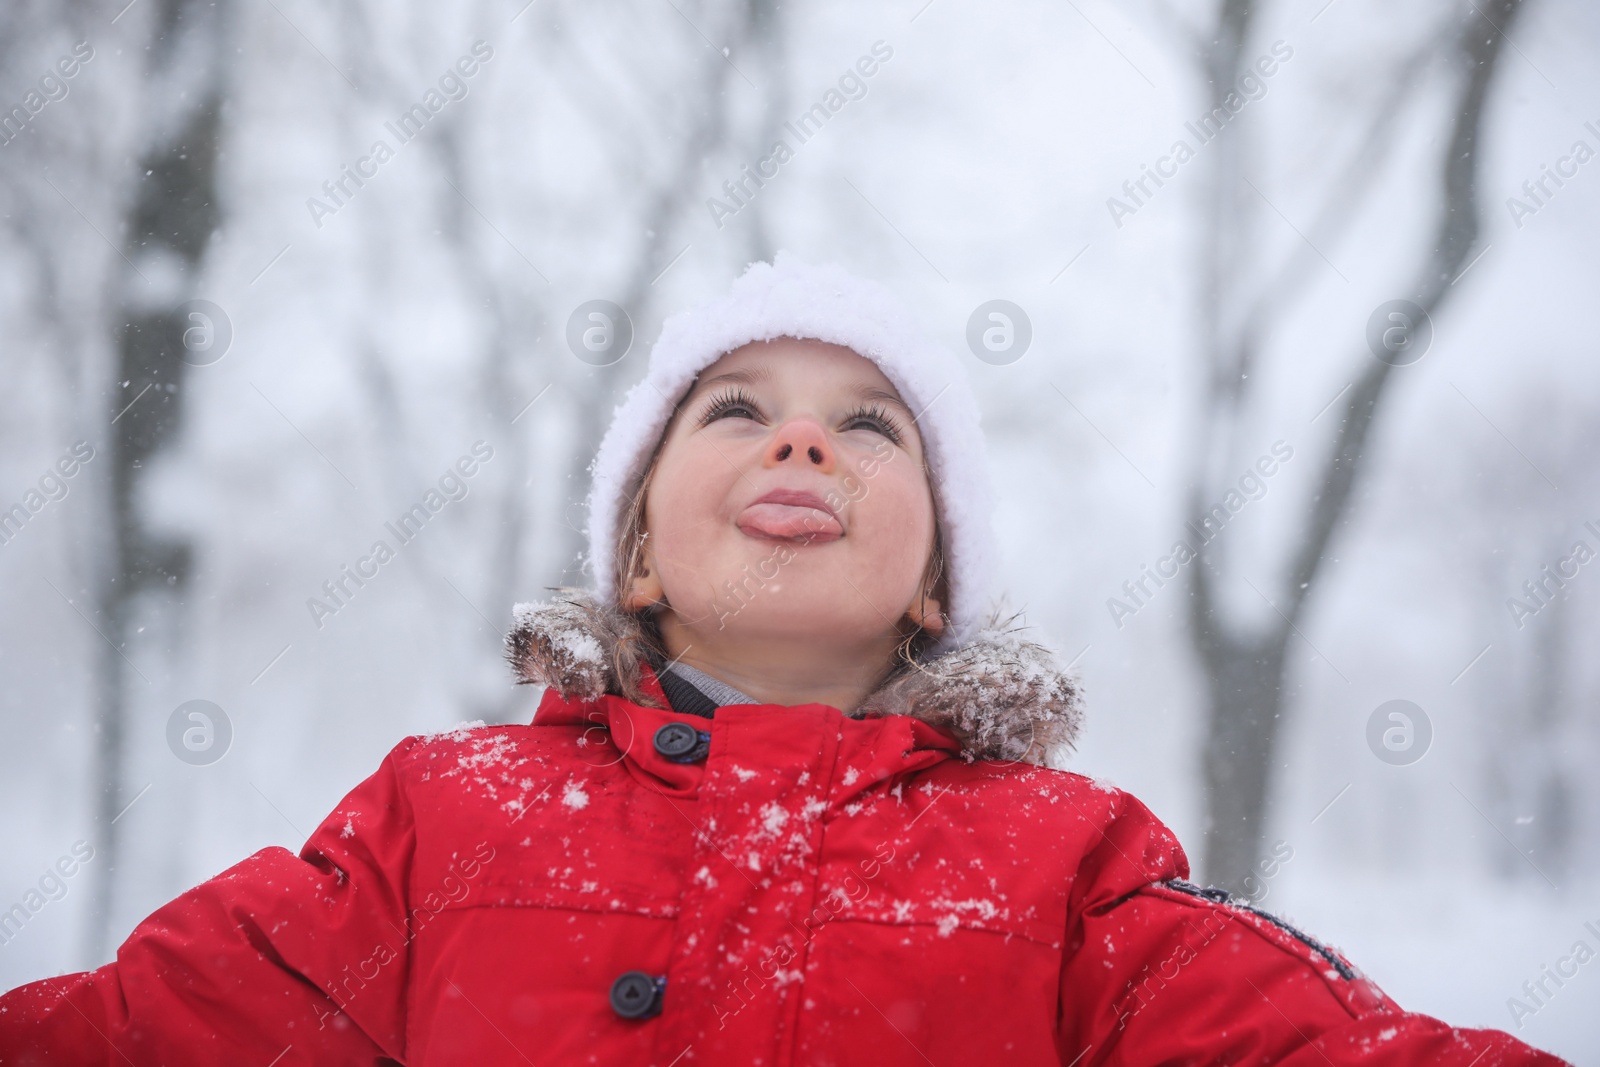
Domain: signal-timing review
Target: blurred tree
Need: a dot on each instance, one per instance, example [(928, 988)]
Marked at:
[(1533, 612), (170, 217), (1244, 660), (1538, 792)]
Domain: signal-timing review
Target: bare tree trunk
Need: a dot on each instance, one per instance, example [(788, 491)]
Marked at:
[(172, 214), (1245, 665)]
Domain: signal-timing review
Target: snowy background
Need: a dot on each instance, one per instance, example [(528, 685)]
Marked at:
[(374, 344)]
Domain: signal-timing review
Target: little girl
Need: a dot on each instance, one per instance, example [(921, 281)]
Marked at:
[(784, 801)]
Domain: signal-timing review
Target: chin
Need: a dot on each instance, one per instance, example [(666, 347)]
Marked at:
[(796, 610)]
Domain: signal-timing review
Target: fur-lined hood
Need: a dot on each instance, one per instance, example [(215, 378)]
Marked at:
[(1002, 696)]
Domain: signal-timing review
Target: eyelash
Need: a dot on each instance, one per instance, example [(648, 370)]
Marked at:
[(723, 405), (878, 415)]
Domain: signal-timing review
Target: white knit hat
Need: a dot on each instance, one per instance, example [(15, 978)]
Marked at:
[(789, 298)]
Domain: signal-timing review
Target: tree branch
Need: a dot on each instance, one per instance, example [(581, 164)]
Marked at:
[(1480, 44)]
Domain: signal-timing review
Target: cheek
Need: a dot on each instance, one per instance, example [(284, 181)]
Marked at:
[(684, 514), (893, 528)]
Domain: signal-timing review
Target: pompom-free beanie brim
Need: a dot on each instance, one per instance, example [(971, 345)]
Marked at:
[(789, 298)]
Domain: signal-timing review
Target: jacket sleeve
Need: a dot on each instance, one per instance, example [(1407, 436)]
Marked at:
[(1159, 971), (302, 958)]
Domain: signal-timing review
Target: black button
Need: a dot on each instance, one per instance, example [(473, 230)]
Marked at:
[(637, 995), (682, 743)]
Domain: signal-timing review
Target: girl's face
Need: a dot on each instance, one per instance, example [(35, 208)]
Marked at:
[(790, 502)]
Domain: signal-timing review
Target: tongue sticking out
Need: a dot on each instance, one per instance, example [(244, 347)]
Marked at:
[(790, 522)]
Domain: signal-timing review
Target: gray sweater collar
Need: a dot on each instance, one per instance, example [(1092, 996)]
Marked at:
[(718, 692)]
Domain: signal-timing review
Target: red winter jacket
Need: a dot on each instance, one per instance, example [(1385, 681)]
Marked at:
[(808, 888)]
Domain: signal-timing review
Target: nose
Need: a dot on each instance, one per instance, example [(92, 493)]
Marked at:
[(803, 442)]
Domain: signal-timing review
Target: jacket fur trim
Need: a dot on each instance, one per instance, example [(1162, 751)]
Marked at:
[(1002, 696)]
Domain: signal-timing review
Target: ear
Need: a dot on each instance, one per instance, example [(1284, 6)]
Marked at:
[(645, 590), (927, 613)]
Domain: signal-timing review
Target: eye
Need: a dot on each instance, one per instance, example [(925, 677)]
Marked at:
[(873, 417), (733, 404)]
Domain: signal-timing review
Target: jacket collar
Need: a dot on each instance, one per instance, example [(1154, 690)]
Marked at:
[(1000, 696), (869, 750)]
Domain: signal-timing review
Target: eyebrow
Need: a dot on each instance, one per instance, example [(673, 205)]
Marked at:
[(736, 377), (874, 393)]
